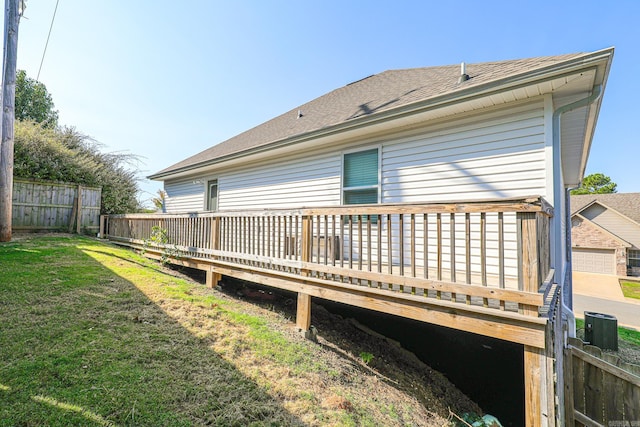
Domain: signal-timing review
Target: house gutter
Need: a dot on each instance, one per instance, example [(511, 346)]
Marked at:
[(559, 194)]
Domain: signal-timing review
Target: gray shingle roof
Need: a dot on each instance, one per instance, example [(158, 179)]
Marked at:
[(372, 95), (628, 204)]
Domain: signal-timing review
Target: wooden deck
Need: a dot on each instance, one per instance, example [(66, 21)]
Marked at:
[(480, 267)]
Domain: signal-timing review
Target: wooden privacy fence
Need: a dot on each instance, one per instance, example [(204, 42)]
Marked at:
[(601, 389), (47, 206)]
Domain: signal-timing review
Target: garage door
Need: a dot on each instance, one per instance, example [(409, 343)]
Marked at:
[(594, 260)]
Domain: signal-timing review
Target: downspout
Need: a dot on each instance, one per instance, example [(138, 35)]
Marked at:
[(568, 244), (558, 195), (566, 290)]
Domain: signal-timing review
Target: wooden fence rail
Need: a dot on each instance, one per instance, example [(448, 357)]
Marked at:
[(46, 206), (601, 389)]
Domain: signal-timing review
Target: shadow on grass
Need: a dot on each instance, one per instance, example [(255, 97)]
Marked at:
[(82, 345)]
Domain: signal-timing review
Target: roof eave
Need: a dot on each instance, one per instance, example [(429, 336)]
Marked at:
[(467, 94)]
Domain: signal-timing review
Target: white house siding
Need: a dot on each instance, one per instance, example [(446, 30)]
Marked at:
[(497, 155), (292, 182), (614, 223), (184, 195), (491, 156)]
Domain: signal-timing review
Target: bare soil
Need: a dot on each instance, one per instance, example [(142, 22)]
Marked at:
[(391, 370)]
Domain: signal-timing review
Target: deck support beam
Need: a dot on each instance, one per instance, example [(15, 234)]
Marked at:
[(303, 312), (535, 405), (213, 279)]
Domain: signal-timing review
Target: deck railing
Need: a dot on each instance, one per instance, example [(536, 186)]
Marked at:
[(488, 254)]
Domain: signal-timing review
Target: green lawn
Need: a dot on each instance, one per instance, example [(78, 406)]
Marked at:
[(630, 289), (94, 335), (81, 344)]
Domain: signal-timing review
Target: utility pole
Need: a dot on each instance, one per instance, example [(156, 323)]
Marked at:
[(12, 12)]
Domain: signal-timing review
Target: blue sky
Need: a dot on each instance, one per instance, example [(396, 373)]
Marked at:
[(165, 79)]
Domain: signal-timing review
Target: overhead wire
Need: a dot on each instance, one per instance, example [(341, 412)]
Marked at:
[(48, 37)]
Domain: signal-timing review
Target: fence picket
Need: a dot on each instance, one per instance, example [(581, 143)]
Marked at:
[(604, 389), (593, 387)]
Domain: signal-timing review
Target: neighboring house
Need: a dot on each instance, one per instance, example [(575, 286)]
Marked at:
[(605, 233)]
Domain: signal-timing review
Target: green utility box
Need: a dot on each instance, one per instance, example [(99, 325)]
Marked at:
[(601, 330)]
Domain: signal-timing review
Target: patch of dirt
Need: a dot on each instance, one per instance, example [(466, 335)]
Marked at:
[(345, 340)]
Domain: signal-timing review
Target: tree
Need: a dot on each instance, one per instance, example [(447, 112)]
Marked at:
[(596, 183), (66, 155), (159, 201), (33, 101)]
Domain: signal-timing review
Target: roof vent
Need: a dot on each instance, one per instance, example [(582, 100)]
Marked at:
[(299, 114), (463, 73)]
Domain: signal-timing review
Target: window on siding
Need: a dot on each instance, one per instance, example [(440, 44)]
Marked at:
[(212, 195), (360, 178), (634, 258)]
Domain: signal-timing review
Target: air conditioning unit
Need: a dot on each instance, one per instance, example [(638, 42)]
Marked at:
[(601, 330)]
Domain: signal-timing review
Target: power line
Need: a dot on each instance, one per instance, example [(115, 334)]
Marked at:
[(48, 36)]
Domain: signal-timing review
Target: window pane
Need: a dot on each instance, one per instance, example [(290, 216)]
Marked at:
[(361, 168), (360, 197), (212, 202)]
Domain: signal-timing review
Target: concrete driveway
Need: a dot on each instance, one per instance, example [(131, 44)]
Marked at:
[(601, 293), (603, 286), (627, 313)]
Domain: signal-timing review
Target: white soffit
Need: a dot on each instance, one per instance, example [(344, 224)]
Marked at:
[(575, 127)]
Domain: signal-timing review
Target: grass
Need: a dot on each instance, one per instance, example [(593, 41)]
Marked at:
[(95, 335), (630, 289)]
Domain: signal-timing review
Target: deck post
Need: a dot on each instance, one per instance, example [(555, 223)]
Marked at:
[(534, 379), (212, 277), (534, 358), (303, 312), (529, 270), (303, 317), (307, 241)]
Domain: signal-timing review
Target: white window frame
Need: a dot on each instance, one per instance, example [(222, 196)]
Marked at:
[(207, 194), (636, 256)]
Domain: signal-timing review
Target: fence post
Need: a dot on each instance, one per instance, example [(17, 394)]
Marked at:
[(79, 212), (103, 219)]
